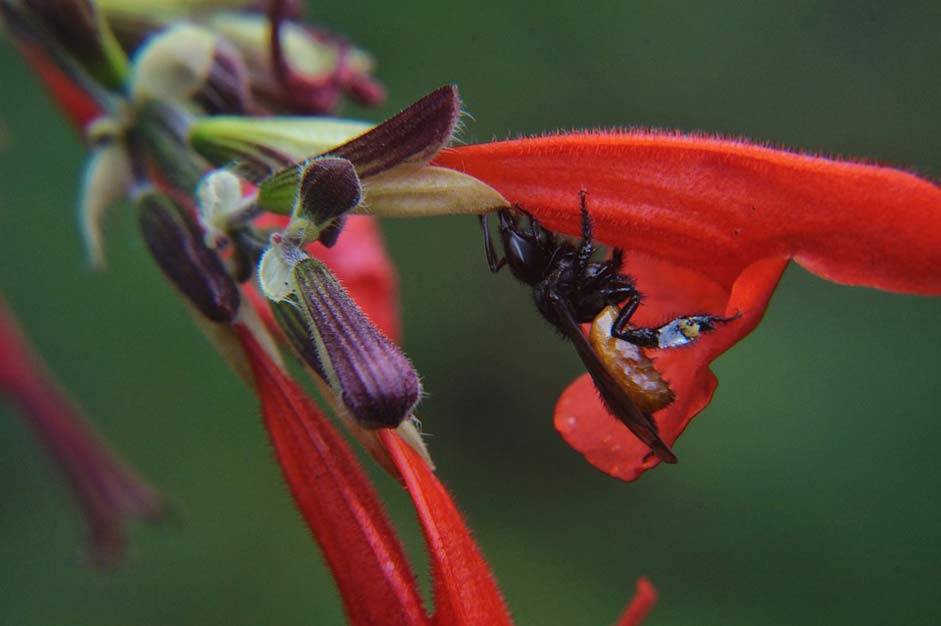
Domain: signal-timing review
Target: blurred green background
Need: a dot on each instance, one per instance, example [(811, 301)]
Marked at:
[(807, 492)]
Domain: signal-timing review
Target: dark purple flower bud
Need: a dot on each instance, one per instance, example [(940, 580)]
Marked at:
[(329, 235), (373, 379), (177, 244), (79, 28), (226, 88), (329, 188), (414, 135), (188, 63)]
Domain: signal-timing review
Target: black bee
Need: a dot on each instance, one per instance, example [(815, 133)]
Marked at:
[(571, 289)]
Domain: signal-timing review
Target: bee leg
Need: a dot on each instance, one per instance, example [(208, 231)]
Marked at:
[(492, 260), (643, 337), (617, 259), (676, 333), (586, 249)]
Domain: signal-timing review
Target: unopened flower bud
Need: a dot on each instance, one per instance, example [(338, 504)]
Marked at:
[(305, 71), (188, 63), (264, 145), (370, 375), (413, 136), (176, 243), (79, 28), (329, 188)]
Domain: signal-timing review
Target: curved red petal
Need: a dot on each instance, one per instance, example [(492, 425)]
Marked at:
[(640, 606), (584, 422), (337, 501), (708, 225), (465, 591), (718, 205), (108, 491)]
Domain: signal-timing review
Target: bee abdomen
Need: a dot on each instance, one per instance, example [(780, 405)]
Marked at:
[(630, 367)]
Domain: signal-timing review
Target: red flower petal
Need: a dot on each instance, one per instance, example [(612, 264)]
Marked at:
[(717, 206), (585, 423), (337, 500), (465, 591), (640, 606), (108, 492), (708, 225)]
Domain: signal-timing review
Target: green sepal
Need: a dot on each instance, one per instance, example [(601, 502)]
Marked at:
[(278, 194), (262, 146)]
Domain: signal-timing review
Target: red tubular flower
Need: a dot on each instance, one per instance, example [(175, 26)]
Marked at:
[(108, 492), (346, 518), (708, 225)]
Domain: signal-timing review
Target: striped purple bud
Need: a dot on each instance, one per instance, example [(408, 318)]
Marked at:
[(177, 244), (369, 374)]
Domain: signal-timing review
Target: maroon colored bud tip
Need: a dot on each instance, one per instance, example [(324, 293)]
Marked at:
[(176, 243), (373, 379), (329, 187), (366, 90), (82, 32), (415, 135), (226, 90), (329, 235)]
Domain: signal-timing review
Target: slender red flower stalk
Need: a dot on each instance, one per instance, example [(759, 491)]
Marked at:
[(708, 226), (346, 518), (108, 492)]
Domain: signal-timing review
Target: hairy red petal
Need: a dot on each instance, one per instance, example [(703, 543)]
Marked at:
[(640, 606), (108, 492), (718, 205), (708, 225), (465, 591), (78, 106), (337, 501), (584, 422)]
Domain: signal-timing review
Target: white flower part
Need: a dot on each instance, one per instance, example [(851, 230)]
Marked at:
[(174, 64), (106, 180), (276, 268), (220, 198)]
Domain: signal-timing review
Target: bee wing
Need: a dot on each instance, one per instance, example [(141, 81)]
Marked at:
[(614, 397)]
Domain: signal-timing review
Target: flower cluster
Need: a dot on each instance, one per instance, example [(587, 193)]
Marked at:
[(263, 222)]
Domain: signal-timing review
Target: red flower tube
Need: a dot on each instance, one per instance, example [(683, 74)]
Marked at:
[(346, 518), (708, 226), (109, 492)]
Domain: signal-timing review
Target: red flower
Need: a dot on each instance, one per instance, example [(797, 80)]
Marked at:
[(108, 492), (347, 520), (708, 226)]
